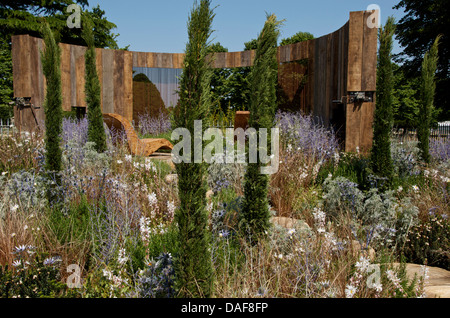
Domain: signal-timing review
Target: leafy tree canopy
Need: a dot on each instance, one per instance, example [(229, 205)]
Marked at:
[(26, 17), (298, 37)]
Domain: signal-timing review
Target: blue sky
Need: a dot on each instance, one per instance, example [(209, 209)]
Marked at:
[(160, 25)]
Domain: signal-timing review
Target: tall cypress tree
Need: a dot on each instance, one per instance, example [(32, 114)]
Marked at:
[(381, 161), (255, 216), (193, 265), (53, 103), (427, 93), (96, 130)]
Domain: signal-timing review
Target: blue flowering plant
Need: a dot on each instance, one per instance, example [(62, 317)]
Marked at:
[(31, 275)]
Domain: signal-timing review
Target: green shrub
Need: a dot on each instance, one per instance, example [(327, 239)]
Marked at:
[(31, 277), (351, 166), (429, 241)]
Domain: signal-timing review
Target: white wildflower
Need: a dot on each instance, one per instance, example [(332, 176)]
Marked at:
[(363, 264), (145, 229), (319, 215), (378, 287), (16, 263), (289, 148), (392, 277), (350, 291), (425, 272), (122, 259), (152, 199), (170, 208)]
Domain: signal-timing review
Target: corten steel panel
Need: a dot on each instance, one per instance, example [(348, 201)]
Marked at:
[(118, 77), (99, 66), (80, 76), (362, 58), (150, 57), (66, 88), (34, 78), (22, 69), (128, 86), (108, 81), (355, 51), (369, 56)]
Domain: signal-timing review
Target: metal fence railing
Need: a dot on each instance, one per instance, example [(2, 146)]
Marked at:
[(442, 131), (6, 127)]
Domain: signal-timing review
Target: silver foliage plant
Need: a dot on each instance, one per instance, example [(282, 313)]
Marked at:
[(383, 217), (405, 157), (224, 175)]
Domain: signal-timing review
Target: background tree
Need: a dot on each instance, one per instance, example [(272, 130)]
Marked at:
[(96, 130), (424, 20), (230, 86), (405, 99), (26, 17), (427, 92), (255, 216), (381, 161), (220, 91), (52, 106), (193, 262), (6, 80), (296, 38)]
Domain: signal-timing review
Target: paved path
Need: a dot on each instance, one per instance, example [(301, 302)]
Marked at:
[(438, 282)]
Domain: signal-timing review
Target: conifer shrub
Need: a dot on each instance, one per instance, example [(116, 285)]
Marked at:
[(52, 108), (427, 92), (96, 130), (381, 161), (193, 265), (255, 217)]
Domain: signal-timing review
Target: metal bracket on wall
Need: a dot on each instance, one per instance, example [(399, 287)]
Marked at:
[(360, 97), (25, 102), (356, 97)]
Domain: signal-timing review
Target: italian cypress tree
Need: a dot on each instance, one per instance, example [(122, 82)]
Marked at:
[(381, 160), (193, 265), (96, 130), (255, 216), (53, 105), (427, 93)]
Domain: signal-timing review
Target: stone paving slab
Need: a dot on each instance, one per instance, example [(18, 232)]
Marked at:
[(438, 283)]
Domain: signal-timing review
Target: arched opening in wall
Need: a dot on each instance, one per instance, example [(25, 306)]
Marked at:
[(229, 94), (292, 90), (154, 92)]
